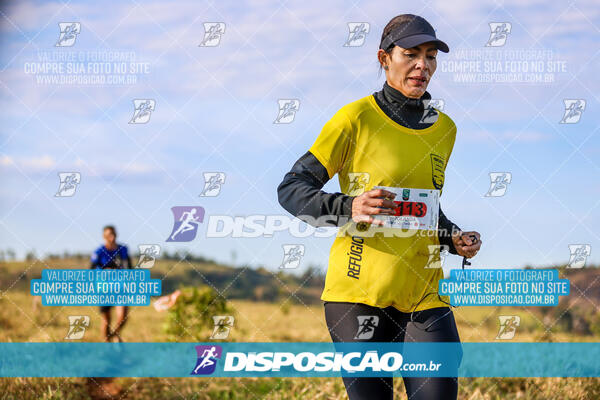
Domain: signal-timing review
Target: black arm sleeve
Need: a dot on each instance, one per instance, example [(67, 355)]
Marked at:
[(445, 229), (301, 195)]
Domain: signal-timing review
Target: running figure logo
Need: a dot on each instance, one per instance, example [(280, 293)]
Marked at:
[(437, 255), (212, 184), (287, 110), (207, 359), (430, 115), (185, 225), (358, 34), (68, 33), (212, 34), (579, 254), (498, 184), (508, 326), (366, 326), (77, 326), (68, 183), (357, 183), (573, 111), (142, 109), (292, 254), (223, 324), (498, 33), (148, 255)]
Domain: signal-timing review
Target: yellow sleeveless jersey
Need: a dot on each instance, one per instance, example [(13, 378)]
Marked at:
[(366, 148)]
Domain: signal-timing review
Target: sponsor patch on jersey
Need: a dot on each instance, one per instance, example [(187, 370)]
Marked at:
[(437, 171)]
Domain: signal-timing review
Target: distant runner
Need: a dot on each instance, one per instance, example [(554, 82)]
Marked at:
[(111, 255)]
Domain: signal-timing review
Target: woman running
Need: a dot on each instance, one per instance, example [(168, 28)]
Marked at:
[(115, 256), (380, 288)]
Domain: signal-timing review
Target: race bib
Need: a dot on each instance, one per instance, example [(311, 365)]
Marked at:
[(415, 209)]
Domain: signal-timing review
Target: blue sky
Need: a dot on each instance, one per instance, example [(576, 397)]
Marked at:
[(215, 107)]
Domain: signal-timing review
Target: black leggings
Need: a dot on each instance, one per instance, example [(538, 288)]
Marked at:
[(394, 326)]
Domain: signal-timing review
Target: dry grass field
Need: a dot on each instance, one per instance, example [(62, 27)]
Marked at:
[(22, 319)]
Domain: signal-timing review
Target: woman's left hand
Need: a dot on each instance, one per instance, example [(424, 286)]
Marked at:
[(467, 244)]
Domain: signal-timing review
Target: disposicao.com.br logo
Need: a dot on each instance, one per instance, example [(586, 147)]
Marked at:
[(306, 362), (187, 220)]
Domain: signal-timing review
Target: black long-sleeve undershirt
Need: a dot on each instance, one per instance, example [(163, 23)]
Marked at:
[(301, 195)]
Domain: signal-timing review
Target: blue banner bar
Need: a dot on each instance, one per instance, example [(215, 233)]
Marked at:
[(299, 359)]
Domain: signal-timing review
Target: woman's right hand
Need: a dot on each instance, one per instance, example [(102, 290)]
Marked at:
[(373, 202)]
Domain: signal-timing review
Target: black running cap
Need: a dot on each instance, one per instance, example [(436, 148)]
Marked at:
[(413, 33)]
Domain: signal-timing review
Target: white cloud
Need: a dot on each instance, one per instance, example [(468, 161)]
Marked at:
[(28, 164), (42, 164), (283, 41)]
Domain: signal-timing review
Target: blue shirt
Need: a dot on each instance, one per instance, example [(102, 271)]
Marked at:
[(116, 259)]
